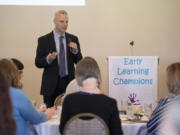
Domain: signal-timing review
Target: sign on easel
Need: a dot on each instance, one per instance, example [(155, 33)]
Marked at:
[(133, 78)]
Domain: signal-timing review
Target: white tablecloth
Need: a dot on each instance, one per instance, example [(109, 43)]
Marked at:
[(51, 127)]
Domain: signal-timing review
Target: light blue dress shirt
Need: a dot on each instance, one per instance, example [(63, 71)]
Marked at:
[(57, 42), (24, 112)]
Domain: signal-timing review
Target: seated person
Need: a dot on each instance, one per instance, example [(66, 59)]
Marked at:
[(7, 123), (23, 110), (156, 124), (19, 66), (90, 98), (171, 124)]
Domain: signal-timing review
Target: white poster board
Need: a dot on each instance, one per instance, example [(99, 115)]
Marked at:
[(133, 78)]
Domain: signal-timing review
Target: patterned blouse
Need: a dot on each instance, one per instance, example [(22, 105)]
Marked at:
[(153, 126)]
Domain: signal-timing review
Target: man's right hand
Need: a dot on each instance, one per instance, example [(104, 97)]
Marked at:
[(52, 56)]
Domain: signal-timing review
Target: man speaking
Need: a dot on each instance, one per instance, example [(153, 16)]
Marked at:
[(57, 52)]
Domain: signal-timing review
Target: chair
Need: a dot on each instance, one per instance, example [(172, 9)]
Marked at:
[(142, 131), (58, 100), (86, 124), (71, 88)]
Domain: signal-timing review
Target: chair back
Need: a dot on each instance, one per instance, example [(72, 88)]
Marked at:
[(58, 100), (71, 88), (86, 124)]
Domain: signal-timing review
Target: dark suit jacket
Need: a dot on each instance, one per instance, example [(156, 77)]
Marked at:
[(46, 44)]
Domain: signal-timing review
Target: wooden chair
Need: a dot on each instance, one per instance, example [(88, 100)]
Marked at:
[(58, 100), (86, 124)]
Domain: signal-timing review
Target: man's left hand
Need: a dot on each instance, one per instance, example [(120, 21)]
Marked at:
[(73, 45)]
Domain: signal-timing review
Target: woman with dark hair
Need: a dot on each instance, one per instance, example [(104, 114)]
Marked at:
[(18, 63), (19, 66), (7, 124), (23, 110), (90, 99)]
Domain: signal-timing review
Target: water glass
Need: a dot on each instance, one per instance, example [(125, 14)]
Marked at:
[(42, 106), (129, 111), (148, 109)]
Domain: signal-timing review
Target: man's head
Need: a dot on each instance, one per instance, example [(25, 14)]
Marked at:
[(61, 21)]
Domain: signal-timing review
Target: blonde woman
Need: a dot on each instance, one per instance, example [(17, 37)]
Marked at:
[(159, 123)]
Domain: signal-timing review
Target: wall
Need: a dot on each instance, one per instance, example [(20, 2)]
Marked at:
[(104, 28)]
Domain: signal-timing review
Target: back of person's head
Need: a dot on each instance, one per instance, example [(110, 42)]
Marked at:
[(11, 72), (7, 124), (173, 78), (87, 68), (18, 63), (19, 66)]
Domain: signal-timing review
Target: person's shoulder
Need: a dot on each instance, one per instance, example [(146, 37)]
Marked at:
[(71, 35), (109, 99), (17, 92), (168, 98), (70, 95), (46, 36)]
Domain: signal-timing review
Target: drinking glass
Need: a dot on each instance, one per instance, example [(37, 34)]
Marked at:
[(42, 106)]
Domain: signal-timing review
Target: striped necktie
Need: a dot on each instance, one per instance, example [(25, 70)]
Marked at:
[(62, 66)]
